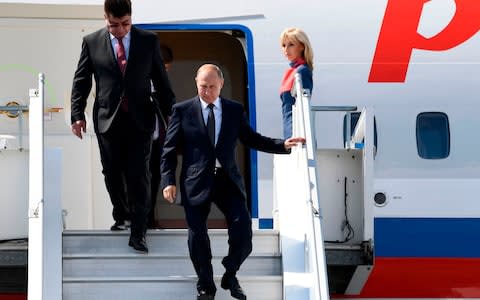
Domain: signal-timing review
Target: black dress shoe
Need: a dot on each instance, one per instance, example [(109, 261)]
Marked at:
[(204, 295), (139, 244), (118, 226), (230, 282)]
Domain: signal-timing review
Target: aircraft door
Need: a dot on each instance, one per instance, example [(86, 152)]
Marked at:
[(191, 49)]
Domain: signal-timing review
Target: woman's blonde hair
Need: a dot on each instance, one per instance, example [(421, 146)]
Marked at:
[(299, 36)]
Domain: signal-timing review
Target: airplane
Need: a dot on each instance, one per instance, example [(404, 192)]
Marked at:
[(397, 203)]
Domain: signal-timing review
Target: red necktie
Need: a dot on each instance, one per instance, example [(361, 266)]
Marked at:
[(122, 64), (121, 57)]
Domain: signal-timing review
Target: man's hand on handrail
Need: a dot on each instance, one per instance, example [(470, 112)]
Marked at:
[(293, 141)]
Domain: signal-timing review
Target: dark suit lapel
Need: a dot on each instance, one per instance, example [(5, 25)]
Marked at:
[(107, 45), (197, 107), (132, 49), (225, 115)]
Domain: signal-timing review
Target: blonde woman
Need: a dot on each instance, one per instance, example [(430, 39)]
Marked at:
[(297, 49)]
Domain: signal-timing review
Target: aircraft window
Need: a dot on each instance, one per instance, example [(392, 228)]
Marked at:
[(433, 135), (353, 122)]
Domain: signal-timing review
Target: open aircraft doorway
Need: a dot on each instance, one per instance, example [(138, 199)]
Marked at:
[(226, 46)]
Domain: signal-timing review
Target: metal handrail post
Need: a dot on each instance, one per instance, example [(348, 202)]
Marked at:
[(44, 213), (36, 192)]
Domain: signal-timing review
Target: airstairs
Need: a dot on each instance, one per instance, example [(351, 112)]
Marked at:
[(100, 265), (299, 259)]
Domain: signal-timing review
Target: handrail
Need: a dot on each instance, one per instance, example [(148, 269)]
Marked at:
[(363, 135), (359, 131), (315, 260), (332, 108), (36, 193), (296, 192), (346, 108), (44, 212)]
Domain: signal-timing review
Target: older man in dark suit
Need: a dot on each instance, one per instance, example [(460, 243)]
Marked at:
[(124, 60), (205, 130)]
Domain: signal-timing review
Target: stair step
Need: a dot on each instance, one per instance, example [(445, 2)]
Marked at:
[(99, 264), (175, 288), (149, 265), (166, 241)]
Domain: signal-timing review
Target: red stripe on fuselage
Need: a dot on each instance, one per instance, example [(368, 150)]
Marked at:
[(13, 297), (423, 278)]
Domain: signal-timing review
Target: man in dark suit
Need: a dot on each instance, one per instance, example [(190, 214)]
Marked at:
[(124, 60), (205, 130), (157, 144)]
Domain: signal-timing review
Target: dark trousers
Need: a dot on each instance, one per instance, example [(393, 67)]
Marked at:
[(125, 153), (157, 146), (231, 203)]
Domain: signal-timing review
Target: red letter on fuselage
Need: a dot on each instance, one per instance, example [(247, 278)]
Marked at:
[(399, 36)]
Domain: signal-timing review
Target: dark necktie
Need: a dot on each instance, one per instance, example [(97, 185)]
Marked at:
[(122, 64), (211, 124)]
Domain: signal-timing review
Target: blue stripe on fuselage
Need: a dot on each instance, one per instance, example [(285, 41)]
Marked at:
[(427, 237)]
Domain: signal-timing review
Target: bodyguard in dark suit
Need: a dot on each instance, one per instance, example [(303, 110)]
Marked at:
[(157, 145), (205, 130), (124, 61)]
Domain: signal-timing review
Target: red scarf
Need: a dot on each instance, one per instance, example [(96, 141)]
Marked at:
[(289, 76)]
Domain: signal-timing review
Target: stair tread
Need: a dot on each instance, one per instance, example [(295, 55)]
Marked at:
[(264, 288), (97, 254), (169, 242), (160, 232), (153, 255), (166, 278)]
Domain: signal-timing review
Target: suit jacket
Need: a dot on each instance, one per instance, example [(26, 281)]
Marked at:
[(187, 135), (144, 65)]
